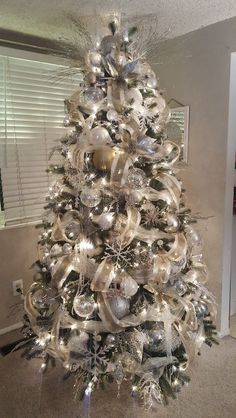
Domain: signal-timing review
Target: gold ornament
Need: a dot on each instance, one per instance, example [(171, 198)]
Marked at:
[(103, 158)]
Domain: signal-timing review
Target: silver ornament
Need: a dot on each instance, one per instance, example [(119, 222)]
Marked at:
[(110, 340), (172, 223), (151, 82), (90, 197), (67, 248), (119, 306), (99, 135), (112, 115), (40, 298), (154, 338), (93, 60), (136, 178), (83, 305), (105, 220), (129, 285), (77, 342), (201, 309), (180, 287), (134, 97)]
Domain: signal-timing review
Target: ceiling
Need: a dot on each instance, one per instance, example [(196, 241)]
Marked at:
[(51, 18)]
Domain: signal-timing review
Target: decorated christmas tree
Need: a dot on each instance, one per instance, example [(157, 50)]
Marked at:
[(119, 286)]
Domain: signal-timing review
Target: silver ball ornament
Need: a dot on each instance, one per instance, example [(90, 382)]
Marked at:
[(154, 338), (56, 250), (105, 220), (77, 342), (180, 287), (136, 178), (112, 115), (172, 223), (90, 197), (110, 340), (83, 305), (72, 230), (201, 309), (119, 306), (67, 248)]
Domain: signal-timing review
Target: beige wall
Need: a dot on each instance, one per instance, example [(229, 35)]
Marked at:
[(18, 251), (195, 70)]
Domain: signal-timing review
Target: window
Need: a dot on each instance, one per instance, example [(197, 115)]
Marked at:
[(32, 96)]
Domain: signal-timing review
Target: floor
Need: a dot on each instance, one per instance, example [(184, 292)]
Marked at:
[(25, 393)]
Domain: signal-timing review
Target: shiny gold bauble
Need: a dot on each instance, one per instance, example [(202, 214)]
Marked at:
[(103, 159)]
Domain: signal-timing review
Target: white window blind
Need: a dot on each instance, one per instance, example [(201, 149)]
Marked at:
[(32, 97)]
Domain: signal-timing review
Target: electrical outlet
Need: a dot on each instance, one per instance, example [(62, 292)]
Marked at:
[(17, 287)]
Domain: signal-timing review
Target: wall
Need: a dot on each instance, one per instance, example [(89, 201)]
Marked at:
[(195, 70), (18, 251)]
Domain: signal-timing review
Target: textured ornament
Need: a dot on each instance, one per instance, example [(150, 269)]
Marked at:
[(99, 135), (67, 248), (180, 287), (83, 305), (40, 298), (119, 306), (136, 178), (56, 250), (105, 220), (72, 230), (128, 285), (89, 98), (90, 197), (103, 159)]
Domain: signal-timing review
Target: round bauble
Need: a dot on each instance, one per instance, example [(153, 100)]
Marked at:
[(172, 223), (56, 250), (180, 287), (128, 285), (39, 298), (151, 83), (112, 115), (103, 158), (134, 97), (110, 340), (93, 60), (90, 197), (154, 338), (89, 98), (119, 306), (136, 178), (201, 309), (83, 305), (72, 230), (99, 135)]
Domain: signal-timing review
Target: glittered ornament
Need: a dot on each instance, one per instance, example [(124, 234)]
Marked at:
[(110, 340), (83, 305), (89, 98), (103, 159), (77, 343), (128, 285), (136, 178), (119, 306), (99, 135), (56, 250), (90, 197), (72, 230), (66, 248), (40, 298), (105, 220), (180, 287)]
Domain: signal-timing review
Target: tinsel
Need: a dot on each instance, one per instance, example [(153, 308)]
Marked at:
[(120, 285)]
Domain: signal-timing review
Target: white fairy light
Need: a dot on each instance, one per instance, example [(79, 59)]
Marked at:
[(43, 366), (85, 245)]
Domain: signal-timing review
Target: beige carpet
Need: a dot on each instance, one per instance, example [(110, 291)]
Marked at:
[(24, 393)]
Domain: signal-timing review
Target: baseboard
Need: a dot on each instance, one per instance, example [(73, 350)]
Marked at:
[(12, 327)]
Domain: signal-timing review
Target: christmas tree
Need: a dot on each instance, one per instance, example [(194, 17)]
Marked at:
[(119, 286)]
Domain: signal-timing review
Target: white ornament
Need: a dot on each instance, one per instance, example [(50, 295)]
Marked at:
[(99, 135), (119, 306), (129, 285), (105, 220), (136, 178)]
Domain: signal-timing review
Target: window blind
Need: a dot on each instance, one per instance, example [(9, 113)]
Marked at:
[(32, 97)]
